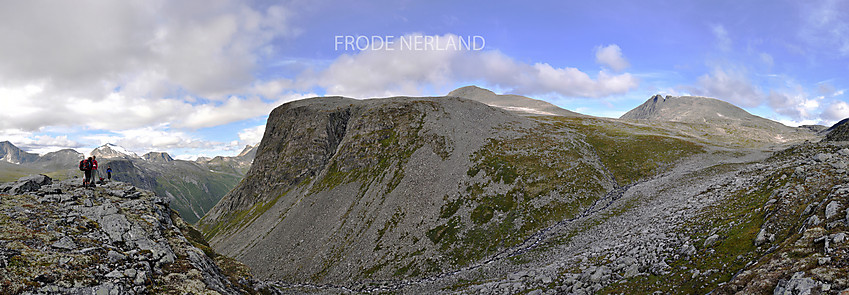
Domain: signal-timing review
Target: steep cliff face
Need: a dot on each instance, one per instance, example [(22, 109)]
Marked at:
[(344, 190)]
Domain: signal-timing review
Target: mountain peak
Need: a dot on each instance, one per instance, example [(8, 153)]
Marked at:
[(12, 154), (691, 109), (510, 102), (110, 150), (158, 157)]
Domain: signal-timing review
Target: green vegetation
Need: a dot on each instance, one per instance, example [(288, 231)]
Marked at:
[(384, 140), (551, 176), (631, 153), (737, 222)]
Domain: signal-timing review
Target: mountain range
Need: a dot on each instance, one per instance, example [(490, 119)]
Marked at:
[(481, 193), (192, 186)]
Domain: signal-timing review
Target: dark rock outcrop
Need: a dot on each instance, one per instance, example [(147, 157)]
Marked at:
[(838, 132)]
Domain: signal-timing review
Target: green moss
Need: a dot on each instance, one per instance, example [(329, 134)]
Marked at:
[(450, 208)]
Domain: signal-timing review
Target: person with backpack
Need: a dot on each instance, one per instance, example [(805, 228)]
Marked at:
[(109, 172), (85, 166), (94, 174)]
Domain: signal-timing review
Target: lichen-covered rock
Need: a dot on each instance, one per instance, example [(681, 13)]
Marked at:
[(96, 242)]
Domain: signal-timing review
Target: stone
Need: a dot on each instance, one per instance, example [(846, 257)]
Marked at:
[(844, 152), (808, 209), (66, 243), (115, 256), (831, 209), (115, 225), (761, 238), (115, 274), (712, 240), (823, 260), (839, 238), (659, 268), (601, 274), (130, 273), (822, 157), (141, 276), (797, 284), (631, 271), (814, 220)]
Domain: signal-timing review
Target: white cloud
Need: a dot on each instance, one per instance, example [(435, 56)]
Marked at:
[(129, 64), (730, 85), (836, 111), (723, 42), (796, 106), (391, 72), (611, 56), (252, 136), (734, 86)]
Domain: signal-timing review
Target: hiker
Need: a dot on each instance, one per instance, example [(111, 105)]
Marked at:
[(109, 172), (85, 166), (93, 170)]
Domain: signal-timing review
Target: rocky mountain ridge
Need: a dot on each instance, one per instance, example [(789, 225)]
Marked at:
[(59, 238), (193, 186)]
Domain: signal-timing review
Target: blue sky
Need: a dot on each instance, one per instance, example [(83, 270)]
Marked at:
[(199, 77)]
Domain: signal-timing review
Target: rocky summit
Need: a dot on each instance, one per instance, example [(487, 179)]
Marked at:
[(449, 195), (60, 238)]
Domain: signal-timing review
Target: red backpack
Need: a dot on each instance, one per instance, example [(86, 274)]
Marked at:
[(85, 165)]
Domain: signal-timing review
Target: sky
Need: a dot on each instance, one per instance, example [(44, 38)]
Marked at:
[(199, 78)]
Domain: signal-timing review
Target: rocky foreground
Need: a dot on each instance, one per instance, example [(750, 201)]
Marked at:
[(60, 238)]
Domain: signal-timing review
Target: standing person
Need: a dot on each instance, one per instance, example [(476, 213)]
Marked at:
[(85, 166), (109, 172), (93, 170)]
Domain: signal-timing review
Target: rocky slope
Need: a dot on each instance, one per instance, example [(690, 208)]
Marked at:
[(838, 132), (413, 187), (447, 195), (58, 238)]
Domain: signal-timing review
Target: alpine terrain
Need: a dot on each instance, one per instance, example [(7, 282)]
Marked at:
[(482, 193), (192, 186)]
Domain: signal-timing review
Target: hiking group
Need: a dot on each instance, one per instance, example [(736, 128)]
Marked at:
[(89, 167)]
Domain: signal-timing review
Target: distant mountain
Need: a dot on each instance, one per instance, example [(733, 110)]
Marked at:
[(111, 151), (514, 103), (193, 187), (158, 157), (12, 154), (238, 164), (838, 132), (716, 120), (696, 109), (249, 152), (58, 160)]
